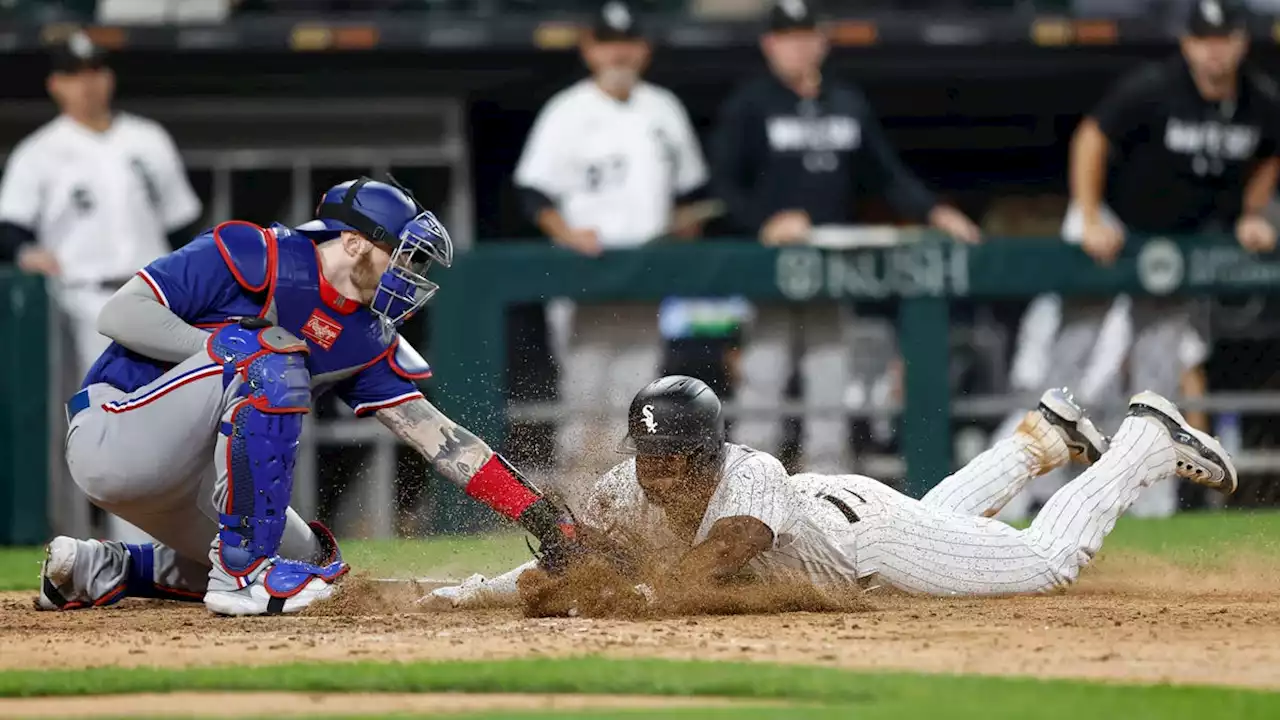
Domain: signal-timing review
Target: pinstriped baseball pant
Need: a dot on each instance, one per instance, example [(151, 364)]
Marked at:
[(943, 544)]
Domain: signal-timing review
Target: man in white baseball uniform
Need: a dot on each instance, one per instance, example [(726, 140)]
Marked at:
[(612, 162), (91, 197), (722, 508)]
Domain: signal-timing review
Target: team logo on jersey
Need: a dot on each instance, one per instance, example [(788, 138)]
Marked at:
[(82, 199), (647, 414), (148, 183), (321, 329)]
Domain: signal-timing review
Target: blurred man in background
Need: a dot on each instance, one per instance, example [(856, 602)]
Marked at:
[(1184, 146), (612, 162), (790, 150), (91, 197)]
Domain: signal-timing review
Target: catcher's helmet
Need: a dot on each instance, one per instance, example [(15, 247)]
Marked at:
[(387, 213), (675, 415)]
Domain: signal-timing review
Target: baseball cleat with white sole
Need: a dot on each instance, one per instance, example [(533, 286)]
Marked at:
[(257, 600), (57, 579), (1084, 440), (1200, 458)]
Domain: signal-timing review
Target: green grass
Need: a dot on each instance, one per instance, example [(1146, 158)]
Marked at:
[(1191, 538), (445, 557), (20, 567), (1199, 536), (868, 695)]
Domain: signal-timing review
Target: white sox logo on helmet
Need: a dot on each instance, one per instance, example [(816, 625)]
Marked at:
[(649, 422)]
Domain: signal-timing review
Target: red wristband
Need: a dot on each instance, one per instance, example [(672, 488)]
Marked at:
[(497, 485)]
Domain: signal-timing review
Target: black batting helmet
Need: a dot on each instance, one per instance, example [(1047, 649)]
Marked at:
[(675, 415)]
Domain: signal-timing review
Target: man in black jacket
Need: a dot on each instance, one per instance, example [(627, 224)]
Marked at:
[(790, 150), (792, 146), (1190, 144)]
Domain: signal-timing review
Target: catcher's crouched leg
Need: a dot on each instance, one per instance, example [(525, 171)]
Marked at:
[(255, 455)]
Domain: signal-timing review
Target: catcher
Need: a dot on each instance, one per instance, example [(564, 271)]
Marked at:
[(188, 424), (726, 508)]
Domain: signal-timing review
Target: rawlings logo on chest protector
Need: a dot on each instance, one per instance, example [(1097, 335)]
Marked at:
[(321, 329)]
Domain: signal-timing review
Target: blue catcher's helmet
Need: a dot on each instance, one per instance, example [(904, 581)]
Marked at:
[(388, 214)]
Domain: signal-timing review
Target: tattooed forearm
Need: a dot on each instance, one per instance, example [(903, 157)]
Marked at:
[(453, 450)]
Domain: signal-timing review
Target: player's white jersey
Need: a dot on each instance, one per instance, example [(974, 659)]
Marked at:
[(812, 537), (613, 166), (102, 202)]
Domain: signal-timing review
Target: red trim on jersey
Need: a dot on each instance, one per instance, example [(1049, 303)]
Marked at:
[(329, 294), (146, 278), (496, 486), (367, 409)]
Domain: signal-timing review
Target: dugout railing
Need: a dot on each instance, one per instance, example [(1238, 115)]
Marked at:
[(468, 353)]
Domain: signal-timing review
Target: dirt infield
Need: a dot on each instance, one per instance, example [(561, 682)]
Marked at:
[(1129, 619)]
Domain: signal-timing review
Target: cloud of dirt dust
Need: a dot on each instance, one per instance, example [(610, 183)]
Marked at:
[(594, 587), (1242, 574), (360, 595)]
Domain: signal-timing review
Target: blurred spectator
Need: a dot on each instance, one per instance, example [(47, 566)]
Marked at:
[(612, 162), (91, 197), (1187, 145), (156, 12), (790, 150)]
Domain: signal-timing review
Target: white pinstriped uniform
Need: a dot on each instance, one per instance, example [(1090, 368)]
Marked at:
[(102, 202), (943, 544)]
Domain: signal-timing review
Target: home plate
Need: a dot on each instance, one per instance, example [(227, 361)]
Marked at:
[(422, 584)]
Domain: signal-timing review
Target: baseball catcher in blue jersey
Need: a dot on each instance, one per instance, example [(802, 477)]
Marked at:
[(187, 426)]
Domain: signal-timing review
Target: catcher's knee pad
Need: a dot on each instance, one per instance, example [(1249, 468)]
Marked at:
[(262, 438)]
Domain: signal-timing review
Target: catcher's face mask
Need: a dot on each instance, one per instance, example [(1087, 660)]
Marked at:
[(404, 288)]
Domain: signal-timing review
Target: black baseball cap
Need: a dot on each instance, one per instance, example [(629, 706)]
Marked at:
[(615, 21), (77, 53), (1214, 18), (792, 15)]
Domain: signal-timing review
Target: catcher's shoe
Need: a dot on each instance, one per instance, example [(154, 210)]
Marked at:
[(1200, 458), (1084, 440), (277, 585), (58, 590)]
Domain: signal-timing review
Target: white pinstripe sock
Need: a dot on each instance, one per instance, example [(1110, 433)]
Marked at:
[(993, 478), (1072, 524)]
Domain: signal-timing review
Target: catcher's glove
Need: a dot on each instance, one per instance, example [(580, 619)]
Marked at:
[(558, 545)]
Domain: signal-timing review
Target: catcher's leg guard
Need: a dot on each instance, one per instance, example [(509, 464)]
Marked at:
[(256, 454)]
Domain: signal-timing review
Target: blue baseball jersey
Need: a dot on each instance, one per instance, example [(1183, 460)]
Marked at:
[(241, 270)]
